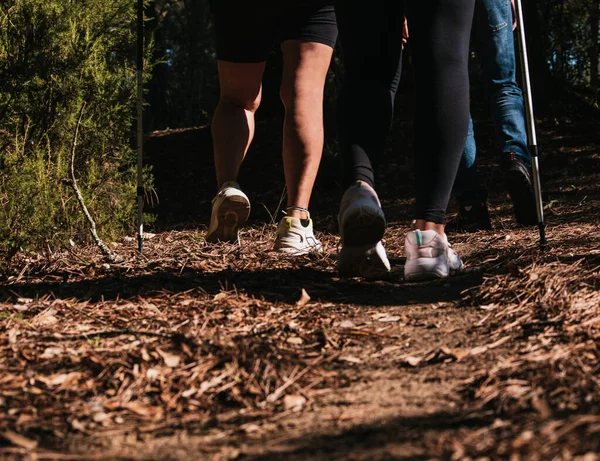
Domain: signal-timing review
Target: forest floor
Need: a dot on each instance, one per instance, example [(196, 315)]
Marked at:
[(222, 352)]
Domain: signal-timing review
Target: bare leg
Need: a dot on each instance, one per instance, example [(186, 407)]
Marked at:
[(233, 121), (305, 66)]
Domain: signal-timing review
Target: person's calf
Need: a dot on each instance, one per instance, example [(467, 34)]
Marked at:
[(233, 121), (304, 73)]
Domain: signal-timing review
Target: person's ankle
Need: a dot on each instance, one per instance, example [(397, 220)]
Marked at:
[(424, 225), (228, 183), (361, 183), (299, 212)]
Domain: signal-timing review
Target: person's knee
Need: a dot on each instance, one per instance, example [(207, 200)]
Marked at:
[(240, 98), (297, 94), (301, 91), (505, 89)]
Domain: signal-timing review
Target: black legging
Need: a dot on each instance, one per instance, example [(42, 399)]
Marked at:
[(371, 38)]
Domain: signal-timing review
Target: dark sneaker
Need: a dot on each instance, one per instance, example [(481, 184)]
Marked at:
[(472, 215), (520, 189)]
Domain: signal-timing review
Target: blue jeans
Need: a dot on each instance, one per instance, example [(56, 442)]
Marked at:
[(494, 43)]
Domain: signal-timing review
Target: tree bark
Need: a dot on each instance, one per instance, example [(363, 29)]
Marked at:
[(595, 43)]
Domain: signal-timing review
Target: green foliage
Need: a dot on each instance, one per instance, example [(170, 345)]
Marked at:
[(568, 38), (56, 55), (184, 88)]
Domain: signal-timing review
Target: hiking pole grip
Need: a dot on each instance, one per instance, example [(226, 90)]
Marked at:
[(140, 122), (530, 119)]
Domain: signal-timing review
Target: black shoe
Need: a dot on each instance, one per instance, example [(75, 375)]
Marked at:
[(520, 189), (472, 216)]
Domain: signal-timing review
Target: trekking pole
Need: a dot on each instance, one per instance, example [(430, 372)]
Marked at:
[(531, 133), (140, 121)]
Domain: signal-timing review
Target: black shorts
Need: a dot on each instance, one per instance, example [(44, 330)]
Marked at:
[(247, 29)]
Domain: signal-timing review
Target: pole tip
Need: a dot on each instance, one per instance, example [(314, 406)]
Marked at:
[(543, 241)]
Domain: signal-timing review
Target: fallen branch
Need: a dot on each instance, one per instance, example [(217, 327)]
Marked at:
[(108, 333), (111, 256)]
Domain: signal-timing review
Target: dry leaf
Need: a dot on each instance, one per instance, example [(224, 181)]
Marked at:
[(220, 296), (294, 402), (386, 350), (483, 349), (78, 425), (19, 440), (101, 417), (51, 352), (189, 392), (347, 324), (46, 318), (142, 410), (251, 428), (21, 308), (540, 404), (171, 360), (304, 298), (412, 361), (24, 419), (145, 355), (350, 359), (456, 353), (63, 379), (389, 319)]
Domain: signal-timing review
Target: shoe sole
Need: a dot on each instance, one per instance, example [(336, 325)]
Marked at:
[(428, 269), (520, 191), (356, 262), (232, 214), (289, 251), (365, 226)]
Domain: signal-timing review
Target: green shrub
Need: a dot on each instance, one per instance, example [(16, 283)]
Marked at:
[(56, 55)]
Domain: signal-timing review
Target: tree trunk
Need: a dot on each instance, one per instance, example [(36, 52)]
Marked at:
[(595, 43)]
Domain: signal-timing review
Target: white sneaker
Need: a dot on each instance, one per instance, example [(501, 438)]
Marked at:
[(429, 256), (361, 219), (230, 210), (369, 261), (294, 238)]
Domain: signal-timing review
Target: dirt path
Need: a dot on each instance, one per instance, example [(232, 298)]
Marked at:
[(205, 352)]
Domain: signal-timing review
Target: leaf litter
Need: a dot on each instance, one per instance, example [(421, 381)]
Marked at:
[(194, 337)]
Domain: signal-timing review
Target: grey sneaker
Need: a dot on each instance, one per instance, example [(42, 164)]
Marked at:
[(429, 256), (294, 238), (361, 219), (369, 261), (230, 210)]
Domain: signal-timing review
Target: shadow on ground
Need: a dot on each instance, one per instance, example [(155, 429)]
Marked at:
[(277, 285), (401, 438)]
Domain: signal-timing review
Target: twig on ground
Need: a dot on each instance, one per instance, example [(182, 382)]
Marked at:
[(107, 333), (111, 256)]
